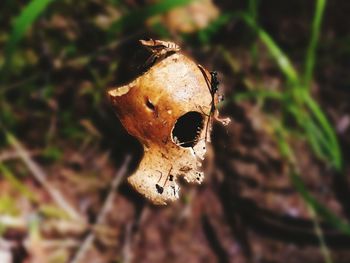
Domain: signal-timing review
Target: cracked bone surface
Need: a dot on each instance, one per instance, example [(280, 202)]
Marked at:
[(167, 110)]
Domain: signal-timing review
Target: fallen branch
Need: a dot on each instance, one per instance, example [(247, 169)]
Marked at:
[(11, 155), (41, 177), (108, 204)]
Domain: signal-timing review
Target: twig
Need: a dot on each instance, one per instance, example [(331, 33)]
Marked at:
[(132, 232), (60, 226), (56, 243), (41, 177), (11, 155), (13, 222), (126, 251), (4, 89), (86, 244)]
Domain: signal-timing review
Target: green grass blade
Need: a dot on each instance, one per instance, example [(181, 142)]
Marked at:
[(253, 9), (278, 55), (281, 134), (328, 130), (259, 94), (319, 142), (314, 134), (136, 17), (311, 51), (22, 23), (315, 138)]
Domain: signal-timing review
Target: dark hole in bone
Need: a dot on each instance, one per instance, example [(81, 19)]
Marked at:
[(187, 129), (150, 105)]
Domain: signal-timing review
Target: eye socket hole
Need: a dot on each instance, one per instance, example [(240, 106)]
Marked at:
[(187, 129), (150, 105)]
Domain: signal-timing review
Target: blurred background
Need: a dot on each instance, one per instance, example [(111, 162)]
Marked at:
[(277, 178)]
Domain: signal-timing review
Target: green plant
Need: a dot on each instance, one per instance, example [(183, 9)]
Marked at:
[(26, 18), (297, 99), (297, 102)]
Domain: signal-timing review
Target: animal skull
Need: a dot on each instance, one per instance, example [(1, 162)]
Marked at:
[(167, 110)]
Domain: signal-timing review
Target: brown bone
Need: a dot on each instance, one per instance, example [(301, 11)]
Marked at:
[(149, 108)]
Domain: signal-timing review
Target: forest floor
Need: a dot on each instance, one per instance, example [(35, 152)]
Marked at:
[(69, 143)]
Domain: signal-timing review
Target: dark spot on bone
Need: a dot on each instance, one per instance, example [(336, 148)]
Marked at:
[(160, 189), (171, 177)]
